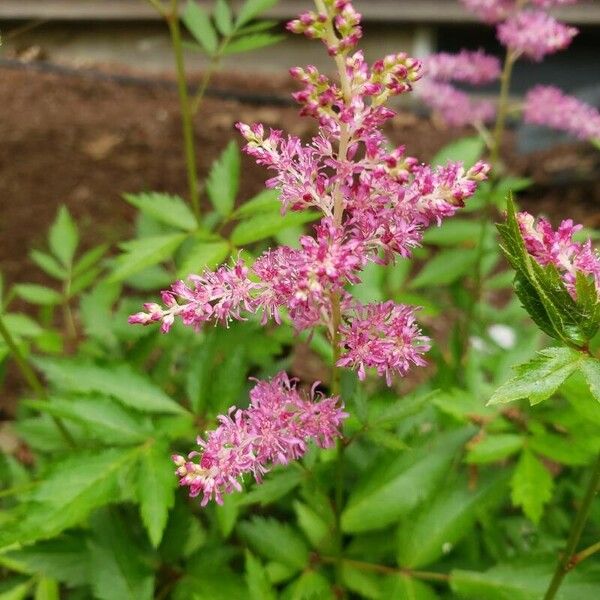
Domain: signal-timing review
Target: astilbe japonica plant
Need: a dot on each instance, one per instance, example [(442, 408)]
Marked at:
[(375, 203)]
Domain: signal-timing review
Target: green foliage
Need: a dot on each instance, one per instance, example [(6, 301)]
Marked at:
[(468, 150), (164, 208), (220, 34), (531, 485), (223, 180), (397, 486)]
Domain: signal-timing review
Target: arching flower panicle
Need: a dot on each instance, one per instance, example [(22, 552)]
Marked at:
[(275, 429)]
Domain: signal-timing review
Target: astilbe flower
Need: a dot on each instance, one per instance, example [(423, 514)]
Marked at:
[(534, 34), (383, 336), (490, 11), (455, 107), (474, 67), (376, 204), (275, 429), (549, 106), (549, 247)]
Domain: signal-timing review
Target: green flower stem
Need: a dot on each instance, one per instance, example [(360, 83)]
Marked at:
[(386, 570), (583, 554), (30, 377), (172, 19), (568, 560), (500, 127)]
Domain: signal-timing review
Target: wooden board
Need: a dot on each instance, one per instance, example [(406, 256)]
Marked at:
[(408, 11)]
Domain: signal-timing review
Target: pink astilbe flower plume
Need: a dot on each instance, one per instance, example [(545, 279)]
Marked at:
[(455, 107), (376, 203), (549, 106), (490, 11), (385, 337), (474, 67), (275, 429), (549, 247), (534, 34)]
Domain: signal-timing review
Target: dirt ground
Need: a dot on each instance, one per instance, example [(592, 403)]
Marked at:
[(80, 142)]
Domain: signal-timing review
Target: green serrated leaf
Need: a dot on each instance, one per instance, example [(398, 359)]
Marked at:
[(522, 580), (531, 485), (395, 488), (453, 232), (48, 264), (446, 267), (403, 587), (275, 486), (63, 237), (118, 381), (435, 529), (250, 42), (265, 202), (276, 541), (538, 379), (37, 294), (197, 22), (17, 591), (46, 589), (311, 585), (468, 150), (257, 579), (102, 418), (21, 326), (146, 252), (63, 558), (74, 487), (223, 17), (119, 570), (494, 447), (251, 9), (203, 255), (316, 529), (223, 180), (156, 485), (590, 368), (164, 208), (262, 226), (89, 259)]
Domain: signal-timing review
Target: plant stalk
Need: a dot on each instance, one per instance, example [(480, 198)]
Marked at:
[(30, 377), (386, 570), (567, 562), (500, 126), (172, 19)]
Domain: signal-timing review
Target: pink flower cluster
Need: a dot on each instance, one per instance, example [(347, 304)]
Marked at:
[(493, 11), (525, 31), (383, 336), (549, 106), (454, 106), (474, 67), (275, 429), (534, 34), (549, 247), (376, 203)]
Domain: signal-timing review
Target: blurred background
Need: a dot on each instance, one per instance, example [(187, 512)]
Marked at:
[(89, 108)]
